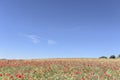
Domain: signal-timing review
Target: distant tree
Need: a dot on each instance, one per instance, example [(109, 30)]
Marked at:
[(112, 57), (103, 57), (118, 56)]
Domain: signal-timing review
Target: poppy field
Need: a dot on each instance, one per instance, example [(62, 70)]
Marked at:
[(60, 69)]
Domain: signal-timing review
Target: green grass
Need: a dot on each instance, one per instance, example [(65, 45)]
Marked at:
[(60, 69)]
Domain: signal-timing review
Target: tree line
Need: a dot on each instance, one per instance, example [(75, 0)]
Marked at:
[(111, 57)]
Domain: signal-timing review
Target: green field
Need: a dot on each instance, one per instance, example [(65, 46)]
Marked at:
[(60, 69)]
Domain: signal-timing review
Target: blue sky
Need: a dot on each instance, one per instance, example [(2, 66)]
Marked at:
[(59, 28)]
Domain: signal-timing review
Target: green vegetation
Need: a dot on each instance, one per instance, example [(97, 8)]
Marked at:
[(60, 69)]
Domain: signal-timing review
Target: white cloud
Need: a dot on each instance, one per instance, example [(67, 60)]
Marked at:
[(35, 39), (51, 42)]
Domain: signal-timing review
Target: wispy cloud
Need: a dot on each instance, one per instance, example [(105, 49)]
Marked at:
[(37, 39), (34, 38), (51, 42)]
